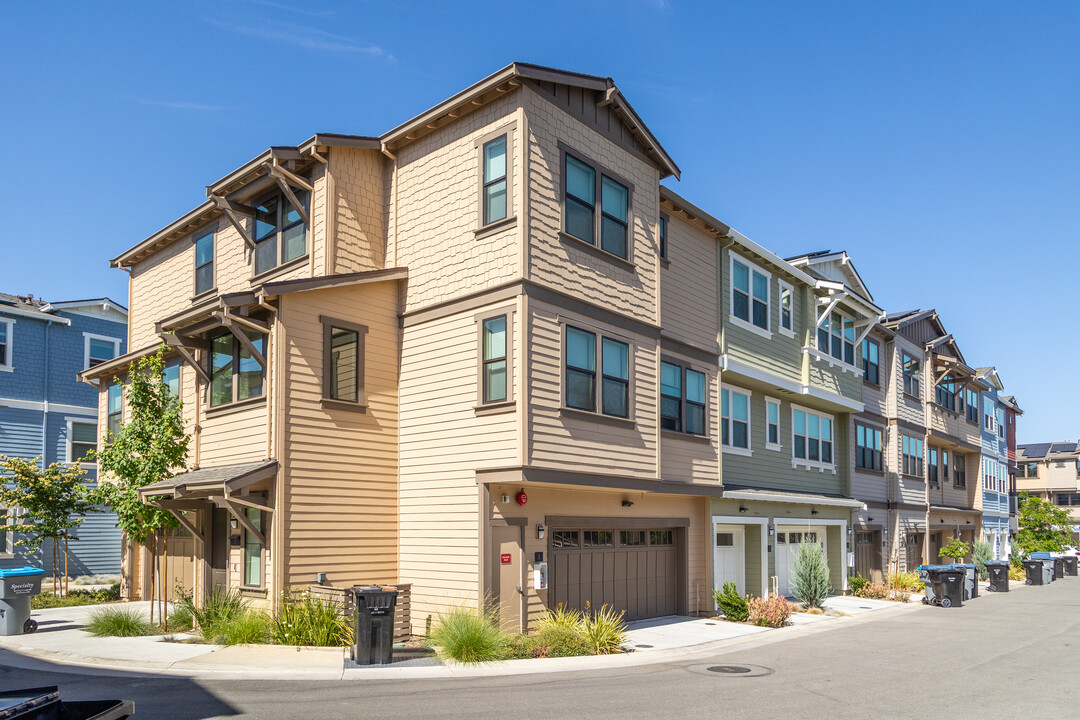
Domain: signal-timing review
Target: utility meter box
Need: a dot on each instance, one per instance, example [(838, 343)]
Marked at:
[(540, 578)]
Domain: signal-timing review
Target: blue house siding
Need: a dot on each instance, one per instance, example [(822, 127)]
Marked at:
[(38, 398), (995, 517)]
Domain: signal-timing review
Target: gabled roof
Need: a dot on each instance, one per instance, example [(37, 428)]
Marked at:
[(943, 344), (103, 303), (990, 374), (1010, 402), (852, 277), (29, 306)]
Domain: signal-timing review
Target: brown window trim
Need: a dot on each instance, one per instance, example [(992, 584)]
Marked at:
[(675, 434), (601, 333), (205, 295), (600, 170), (509, 131), (252, 591), (237, 406), (580, 244), (867, 383), (499, 408), (212, 231), (508, 311), (280, 269), (587, 416), (361, 396), (495, 227)]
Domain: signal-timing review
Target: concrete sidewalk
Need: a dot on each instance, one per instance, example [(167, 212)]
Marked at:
[(61, 639)]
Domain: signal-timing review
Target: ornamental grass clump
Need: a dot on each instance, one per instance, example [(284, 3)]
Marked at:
[(733, 606), (119, 622), (770, 612), (907, 581), (810, 582), (467, 635), (604, 629), (560, 617), (302, 619)]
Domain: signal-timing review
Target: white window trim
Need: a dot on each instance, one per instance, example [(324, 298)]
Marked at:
[(5, 528), (781, 286), (833, 362), (856, 366), (67, 453), (10, 335), (772, 401), (814, 464), (764, 332), (87, 337), (748, 451)]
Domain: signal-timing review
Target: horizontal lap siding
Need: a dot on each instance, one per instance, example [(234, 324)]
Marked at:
[(443, 444), (575, 443), (235, 437), (688, 307), (341, 467)]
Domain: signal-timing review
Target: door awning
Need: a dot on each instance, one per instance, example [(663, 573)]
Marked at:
[(792, 497), (205, 483)]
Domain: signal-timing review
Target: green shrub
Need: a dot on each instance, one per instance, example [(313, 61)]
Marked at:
[(956, 550), (908, 581), (78, 596), (873, 591), (562, 641), (769, 612), (119, 622), (733, 606), (1016, 558), (520, 647), (305, 620), (981, 551), (810, 582), (467, 635), (604, 629), (560, 617), (856, 583), (249, 627)]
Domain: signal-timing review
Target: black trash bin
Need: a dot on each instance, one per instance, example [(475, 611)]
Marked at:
[(1059, 568), (999, 575), (1036, 573), (1070, 562), (44, 703), (373, 624), (971, 579), (953, 581)]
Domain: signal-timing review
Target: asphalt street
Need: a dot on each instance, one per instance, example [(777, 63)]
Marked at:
[(1006, 656)]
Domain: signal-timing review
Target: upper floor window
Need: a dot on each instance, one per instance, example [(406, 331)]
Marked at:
[(98, 349), (911, 375), (772, 424), (971, 405), (235, 374), (204, 263), (867, 447), (989, 474), (115, 413), (280, 231), (495, 180), (583, 186), (82, 438), (749, 294), (682, 399), (6, 331), (735, 418), (945, 393), (959, 477), (494, 360), (836, 337), (171, 377), (787, 305), (1001, 422), (581, 364), (911, 452), (870, 366), (811, 436), (343, 361), (663, 235), (988, 415), (932, 466)]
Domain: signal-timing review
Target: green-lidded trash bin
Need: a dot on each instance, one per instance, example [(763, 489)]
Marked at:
[(17, 586), (373, 624), (44, 703), (999, 575)]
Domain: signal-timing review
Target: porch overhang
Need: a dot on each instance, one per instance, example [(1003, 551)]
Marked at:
[(207, 483), (780, 496)]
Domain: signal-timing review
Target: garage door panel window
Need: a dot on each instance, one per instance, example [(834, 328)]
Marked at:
[(632, 538), (661, 537), (564, 539), (597, 538)]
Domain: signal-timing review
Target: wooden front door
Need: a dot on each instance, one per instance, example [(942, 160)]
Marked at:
[(868, 555), (913, 551), (179, 577)]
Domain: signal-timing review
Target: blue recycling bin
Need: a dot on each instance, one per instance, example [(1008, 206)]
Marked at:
[(17, 586)]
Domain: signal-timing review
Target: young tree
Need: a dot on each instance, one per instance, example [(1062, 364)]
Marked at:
[(956, 549), (51, 502), (981, 552), (1042, 526), (150, 447), (810, 582)]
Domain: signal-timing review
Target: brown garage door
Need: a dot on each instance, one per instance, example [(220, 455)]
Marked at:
[(868, 555), (633, 570)]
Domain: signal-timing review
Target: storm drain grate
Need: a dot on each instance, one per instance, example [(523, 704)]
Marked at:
[(864, 607), (643, 646), (728, 669)]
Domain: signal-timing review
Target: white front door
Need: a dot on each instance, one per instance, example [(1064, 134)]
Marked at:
[(787, 545), (729, 554)]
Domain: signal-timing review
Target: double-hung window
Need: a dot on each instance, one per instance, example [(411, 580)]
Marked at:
[(235, 374), (959, 476), (1001, 422), (749, 294), (911, 451), (945, 393), (911, 374), (735, 418), (6, 331), (495, 180), (971, 403), (812, 439), (842, 330), (682, 399), (867, 447), (82, 438), (204, 263), (932, 467), (494, 362), (6, 517), (870, 360), (115, 402), (343, 363), (280, 230), (988, 415), (582, 187), (171, 377), (787, 308), (581, 364), (988, 474), (772, 423)]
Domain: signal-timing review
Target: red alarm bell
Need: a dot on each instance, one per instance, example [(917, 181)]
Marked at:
[(522, 498)]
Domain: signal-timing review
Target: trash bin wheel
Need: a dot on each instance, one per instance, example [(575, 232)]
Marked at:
[(991, 588), (925, 601), (946, 602), (29, 626), (1028, 581)]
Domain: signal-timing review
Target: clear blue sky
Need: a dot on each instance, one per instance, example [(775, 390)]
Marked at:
[(939, 143)]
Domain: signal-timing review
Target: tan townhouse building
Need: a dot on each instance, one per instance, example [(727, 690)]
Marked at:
[(1052, 471), (474, 354)]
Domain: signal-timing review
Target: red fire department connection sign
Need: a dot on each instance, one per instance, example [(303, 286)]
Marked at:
[(505, 558)]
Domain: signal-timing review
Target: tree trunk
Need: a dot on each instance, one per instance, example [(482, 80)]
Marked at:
[(164, 580), (66, 575), (153, 573), (55, 569)]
